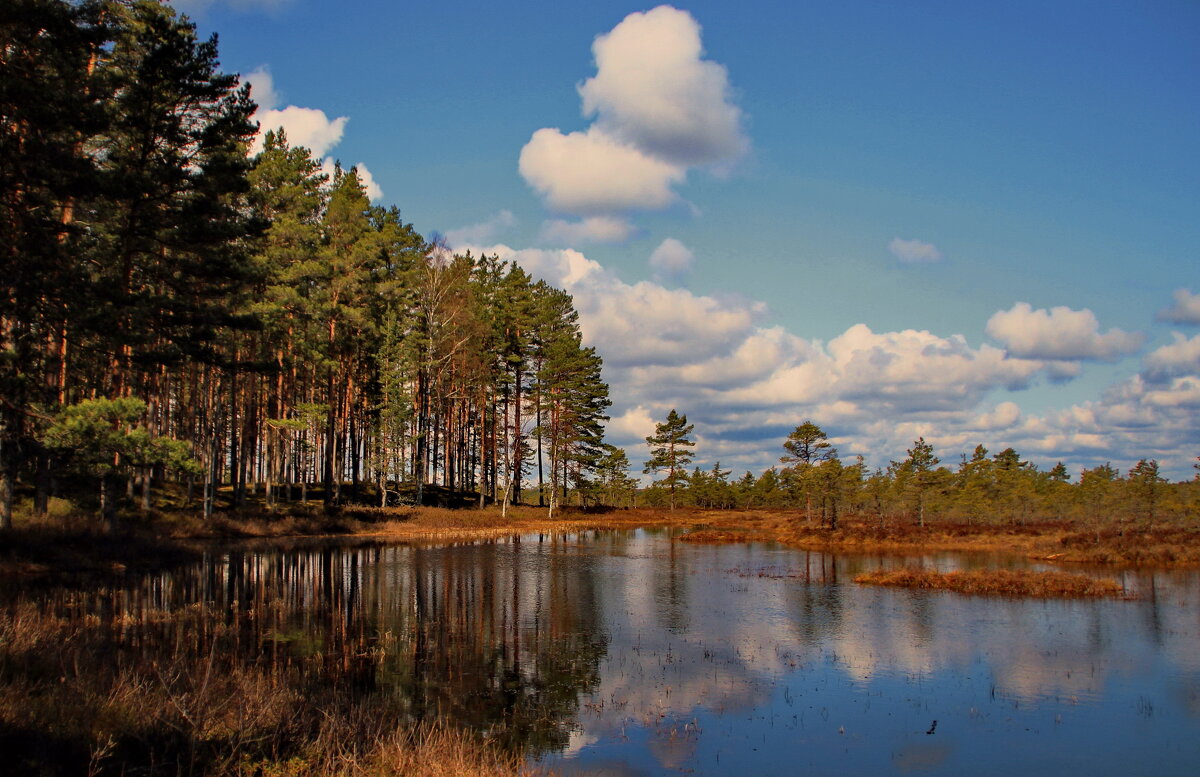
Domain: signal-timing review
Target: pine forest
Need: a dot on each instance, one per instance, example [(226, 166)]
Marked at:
[(250, 328), (246, 321)]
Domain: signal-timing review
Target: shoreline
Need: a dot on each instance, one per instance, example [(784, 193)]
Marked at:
[(46, 549)]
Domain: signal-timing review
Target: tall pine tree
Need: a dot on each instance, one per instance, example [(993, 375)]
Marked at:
[(670, 450)]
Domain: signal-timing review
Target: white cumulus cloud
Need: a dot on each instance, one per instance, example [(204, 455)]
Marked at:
[(643, 323), (1003, 416), (659, 109), (914, 251), (594, 229), (1059, 333), (592, 173), (672, 261), (1186, 309), (746, 383), (630, 427), (262, 88), (1181, 357), (654, 90), (308, 127), (368, 182)]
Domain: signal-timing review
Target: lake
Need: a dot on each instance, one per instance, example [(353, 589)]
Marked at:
[(631, 653)]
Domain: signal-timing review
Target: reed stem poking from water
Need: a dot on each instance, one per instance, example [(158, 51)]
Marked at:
[(997, 582)]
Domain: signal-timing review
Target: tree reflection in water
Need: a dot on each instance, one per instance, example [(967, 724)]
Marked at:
[(497, 639), (631, 653)]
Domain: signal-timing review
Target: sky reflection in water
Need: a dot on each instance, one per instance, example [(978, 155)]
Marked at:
[(750, 659), (628, 653)]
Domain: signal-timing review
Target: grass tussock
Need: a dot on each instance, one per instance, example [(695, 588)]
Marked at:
[(997, 582), (75, 700), (717, 536)]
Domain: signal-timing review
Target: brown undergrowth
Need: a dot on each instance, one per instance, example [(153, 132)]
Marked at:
[(997, 582), (75, 699), (1059, 541), (1150, 545)]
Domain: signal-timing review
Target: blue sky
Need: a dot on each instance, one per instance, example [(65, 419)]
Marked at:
[(957, 220)]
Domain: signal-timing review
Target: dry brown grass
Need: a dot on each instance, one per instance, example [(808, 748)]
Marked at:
[(1148, 545), (1060, 541), (997, 582), (74, 700), (718, 536), (405, 524), (433, 750)]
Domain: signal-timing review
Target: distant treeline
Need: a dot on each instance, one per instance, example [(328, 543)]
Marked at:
[(982, 488), (174, 308)]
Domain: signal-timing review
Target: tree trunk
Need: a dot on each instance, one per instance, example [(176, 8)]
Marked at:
[(330, 440), (43, 477), (541, 482), (8, 476), (517, 458), (146, 477)]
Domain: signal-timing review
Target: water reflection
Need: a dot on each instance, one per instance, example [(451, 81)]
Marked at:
[(787, 667), (630, 653), (500, 636)]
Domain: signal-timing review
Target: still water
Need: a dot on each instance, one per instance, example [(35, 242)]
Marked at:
[(630, 653)]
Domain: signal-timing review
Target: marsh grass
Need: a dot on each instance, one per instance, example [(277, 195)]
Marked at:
[(78, 698), (997, 582), (1065, 541), (1161, 545), (717, 536)]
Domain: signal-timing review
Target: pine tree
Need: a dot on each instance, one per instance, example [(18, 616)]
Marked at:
[(976, 484), (516, 320), (1144, 484), (766, 491), (917, 473), (828, 477), (287, 192), (342, 302), (103, 437), (571, 394), (807, 446), (711, 489), (169, 223), (135, 146), (47, 110), (670, 451), (612, 472)]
